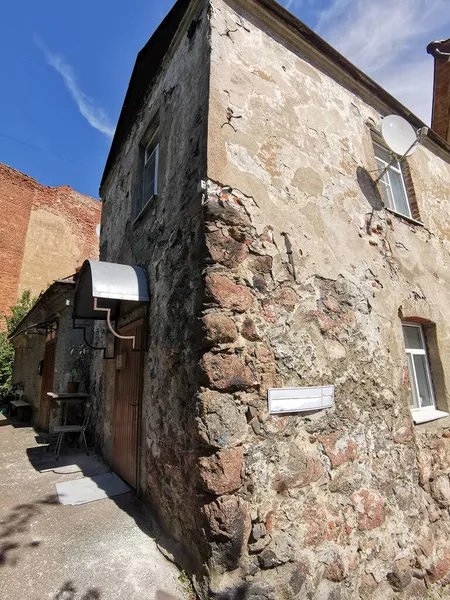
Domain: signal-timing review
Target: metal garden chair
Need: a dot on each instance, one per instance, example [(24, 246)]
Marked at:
[(61, 430)]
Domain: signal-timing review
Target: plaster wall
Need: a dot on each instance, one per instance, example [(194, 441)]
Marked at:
[(307, 285), (29, 351)]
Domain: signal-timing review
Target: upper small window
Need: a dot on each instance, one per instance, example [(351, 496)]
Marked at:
[(392, 183), (149, 175), (422, 395)]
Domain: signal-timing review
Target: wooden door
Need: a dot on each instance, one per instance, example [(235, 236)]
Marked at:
[(47, 384), (127, 400)]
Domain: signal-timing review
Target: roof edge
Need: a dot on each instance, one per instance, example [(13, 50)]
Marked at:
[(291, 29), (151, 56), (51, 288)]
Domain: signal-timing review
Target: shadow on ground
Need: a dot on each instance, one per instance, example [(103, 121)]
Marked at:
[(13, 422), (14, 529), (68, 591)]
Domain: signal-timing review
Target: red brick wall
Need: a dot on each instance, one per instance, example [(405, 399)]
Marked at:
[(441, 99), (17, 192), (45, 233)]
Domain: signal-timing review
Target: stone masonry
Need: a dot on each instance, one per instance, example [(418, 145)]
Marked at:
[(285, 271)]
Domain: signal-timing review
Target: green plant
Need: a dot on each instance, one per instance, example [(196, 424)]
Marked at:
[(79, 354), (23, 305), (6, 362)]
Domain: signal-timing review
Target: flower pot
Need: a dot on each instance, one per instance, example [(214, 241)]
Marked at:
[(72, 387)]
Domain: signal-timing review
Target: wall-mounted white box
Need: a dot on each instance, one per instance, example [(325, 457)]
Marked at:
[(289, 400)]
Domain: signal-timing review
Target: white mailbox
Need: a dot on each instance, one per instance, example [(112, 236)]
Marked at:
[(288, 400)]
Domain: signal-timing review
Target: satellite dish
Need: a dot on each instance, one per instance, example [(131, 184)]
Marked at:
[(398, 135), (97, 229)]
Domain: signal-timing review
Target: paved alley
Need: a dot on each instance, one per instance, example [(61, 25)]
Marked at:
[(101, 550)]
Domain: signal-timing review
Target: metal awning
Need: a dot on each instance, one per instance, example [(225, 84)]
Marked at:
[(102, 285)]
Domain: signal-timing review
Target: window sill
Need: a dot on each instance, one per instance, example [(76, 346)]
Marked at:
[(406, 218), (427, 414)]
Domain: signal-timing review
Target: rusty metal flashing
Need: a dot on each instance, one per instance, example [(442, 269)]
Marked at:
[(440, 49)]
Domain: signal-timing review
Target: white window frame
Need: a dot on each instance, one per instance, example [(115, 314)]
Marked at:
[(150, 150), (385, 181), (421, 414)]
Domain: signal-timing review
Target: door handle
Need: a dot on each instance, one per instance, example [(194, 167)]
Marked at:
[(134, 404)]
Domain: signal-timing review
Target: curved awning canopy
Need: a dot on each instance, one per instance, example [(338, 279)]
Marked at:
[(101, 286)]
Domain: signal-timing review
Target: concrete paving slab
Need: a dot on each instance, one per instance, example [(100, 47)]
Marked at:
[(97, 551)]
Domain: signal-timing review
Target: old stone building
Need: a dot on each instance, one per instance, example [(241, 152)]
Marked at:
[(44, 234), (284, 268), (47, 350)]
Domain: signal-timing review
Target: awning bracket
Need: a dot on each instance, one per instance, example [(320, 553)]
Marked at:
[(110, 327), (88, 343)]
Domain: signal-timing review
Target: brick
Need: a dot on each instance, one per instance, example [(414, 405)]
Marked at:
[(45, 233)]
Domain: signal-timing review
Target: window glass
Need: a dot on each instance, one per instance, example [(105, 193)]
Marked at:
[(382, 153), (422, 396), (414, 402), (398, 192), (413, 339), (392, 183), (150, 175), (149, 180), (420, 366), (387, 195)]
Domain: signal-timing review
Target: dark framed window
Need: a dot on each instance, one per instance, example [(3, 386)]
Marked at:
[(149, 184)]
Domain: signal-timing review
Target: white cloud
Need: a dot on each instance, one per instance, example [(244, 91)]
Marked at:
[(293, 5), (93, 114), (288, 4), (387, 40)]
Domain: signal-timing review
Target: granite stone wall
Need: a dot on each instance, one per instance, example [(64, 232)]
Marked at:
[(307, 282)]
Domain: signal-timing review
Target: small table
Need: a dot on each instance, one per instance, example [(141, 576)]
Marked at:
[(23, 409), (66, 398)]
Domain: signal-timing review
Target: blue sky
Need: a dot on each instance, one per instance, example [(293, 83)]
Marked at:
[(66, 65)]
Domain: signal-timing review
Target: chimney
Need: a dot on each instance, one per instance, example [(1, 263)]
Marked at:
[(440, 120)]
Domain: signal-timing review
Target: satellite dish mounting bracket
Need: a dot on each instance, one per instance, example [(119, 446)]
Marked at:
[(420, 133)]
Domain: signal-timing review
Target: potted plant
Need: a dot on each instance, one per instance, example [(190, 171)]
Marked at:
[(78, 353), (73, 386)]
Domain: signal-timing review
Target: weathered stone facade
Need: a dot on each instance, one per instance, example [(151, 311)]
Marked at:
[(45, 233), (290, 274), (168, 241)]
